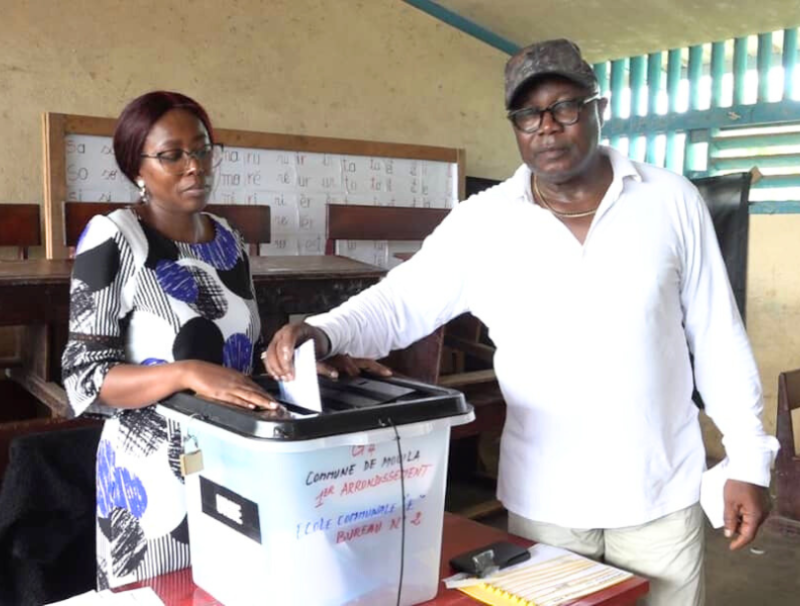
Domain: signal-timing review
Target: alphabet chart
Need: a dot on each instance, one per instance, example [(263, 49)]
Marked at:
[(297, 185)]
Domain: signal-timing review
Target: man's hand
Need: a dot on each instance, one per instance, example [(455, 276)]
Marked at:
[(352, 367), (279, 357), (746, 508)]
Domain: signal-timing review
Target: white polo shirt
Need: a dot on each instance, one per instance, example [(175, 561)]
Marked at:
[(592, 354)]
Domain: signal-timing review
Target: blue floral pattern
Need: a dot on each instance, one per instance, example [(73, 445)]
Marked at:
[(222, 252), (238, 352), (117, 486)]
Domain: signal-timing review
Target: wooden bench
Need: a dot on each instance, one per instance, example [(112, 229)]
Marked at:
[(20, 228), (253, 222)]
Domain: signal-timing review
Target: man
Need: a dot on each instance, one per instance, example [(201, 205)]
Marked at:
[(592, 273)]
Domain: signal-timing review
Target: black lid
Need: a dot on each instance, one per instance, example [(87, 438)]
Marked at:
[(348, 405)]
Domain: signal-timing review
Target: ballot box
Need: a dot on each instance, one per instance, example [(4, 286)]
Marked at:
[(339, 507)]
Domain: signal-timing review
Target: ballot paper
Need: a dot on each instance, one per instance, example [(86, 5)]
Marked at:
[(712, 493), (304, 389), (143, 596)]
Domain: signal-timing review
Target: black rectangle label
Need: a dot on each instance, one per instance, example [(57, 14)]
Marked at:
[(231, 509)]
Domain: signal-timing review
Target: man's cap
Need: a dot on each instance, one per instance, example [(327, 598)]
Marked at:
[(548, 58)]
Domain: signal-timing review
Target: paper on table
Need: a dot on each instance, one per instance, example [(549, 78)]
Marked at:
[(551, 577), (144, 596), (540, 553), (85, 599), (712, 493), (304, 390)]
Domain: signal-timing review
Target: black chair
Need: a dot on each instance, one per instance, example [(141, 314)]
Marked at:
[(47, 517), (728, 198)]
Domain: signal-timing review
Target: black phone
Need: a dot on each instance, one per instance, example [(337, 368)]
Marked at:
[(500, 554)]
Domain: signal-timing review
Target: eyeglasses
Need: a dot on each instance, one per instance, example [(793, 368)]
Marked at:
[(529, 119), (176, 161)]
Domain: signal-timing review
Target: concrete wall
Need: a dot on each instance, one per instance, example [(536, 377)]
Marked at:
[(773, 311), (377, 70), (774, 303)]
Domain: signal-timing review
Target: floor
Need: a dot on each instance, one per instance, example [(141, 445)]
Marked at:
[(766, 574)]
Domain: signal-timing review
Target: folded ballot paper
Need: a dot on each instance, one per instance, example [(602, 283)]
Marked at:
[(144, 596), (304, 390), (551, 576)]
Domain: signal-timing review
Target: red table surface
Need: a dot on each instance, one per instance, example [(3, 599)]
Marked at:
[(458, 534)]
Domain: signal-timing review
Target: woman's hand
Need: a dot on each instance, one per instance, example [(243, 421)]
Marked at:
[(352, 367), (215, 382), (279, 357)]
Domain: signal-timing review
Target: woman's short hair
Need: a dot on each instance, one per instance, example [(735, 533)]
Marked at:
[(138, 118)]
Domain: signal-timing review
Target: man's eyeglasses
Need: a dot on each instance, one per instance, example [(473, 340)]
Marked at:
[(176, 161), (529, 119)]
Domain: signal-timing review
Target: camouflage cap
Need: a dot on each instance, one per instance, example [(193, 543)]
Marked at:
[(550, 57)]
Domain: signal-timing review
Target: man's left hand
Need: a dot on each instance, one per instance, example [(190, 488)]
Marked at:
[(746, 508), (352, 367)]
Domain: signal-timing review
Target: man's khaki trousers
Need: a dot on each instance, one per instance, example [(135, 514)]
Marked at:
[(668, 552)]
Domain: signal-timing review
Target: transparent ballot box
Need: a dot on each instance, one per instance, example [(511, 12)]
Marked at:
[(318, 508)]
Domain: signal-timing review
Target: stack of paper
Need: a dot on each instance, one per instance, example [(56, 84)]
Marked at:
[(551, 577)]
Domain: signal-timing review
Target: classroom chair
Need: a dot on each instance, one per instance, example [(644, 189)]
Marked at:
[(391, 223), (787, 463)]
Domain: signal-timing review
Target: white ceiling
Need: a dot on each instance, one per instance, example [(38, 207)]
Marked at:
[(612, 29)]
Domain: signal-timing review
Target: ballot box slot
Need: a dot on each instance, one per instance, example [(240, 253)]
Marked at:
[(349, 404)]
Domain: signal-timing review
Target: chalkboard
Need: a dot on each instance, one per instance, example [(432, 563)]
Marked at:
[(295, 175)]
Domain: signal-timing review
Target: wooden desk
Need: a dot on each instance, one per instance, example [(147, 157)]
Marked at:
[(35, 293), (459, 535), (306, 285)]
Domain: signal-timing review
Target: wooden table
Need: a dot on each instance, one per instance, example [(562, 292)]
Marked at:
[(459, 535), (35, 293)]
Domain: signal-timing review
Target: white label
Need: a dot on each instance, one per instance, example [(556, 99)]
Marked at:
[(231, 510)]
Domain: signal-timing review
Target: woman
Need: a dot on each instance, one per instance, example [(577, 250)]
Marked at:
[(161, 301)]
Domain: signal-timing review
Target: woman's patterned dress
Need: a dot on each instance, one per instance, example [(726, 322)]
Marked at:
[(140, 298)]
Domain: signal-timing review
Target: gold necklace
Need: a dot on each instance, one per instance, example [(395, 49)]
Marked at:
[(566, 215)]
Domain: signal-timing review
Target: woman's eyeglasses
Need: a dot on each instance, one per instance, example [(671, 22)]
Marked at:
[(176, 161)]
